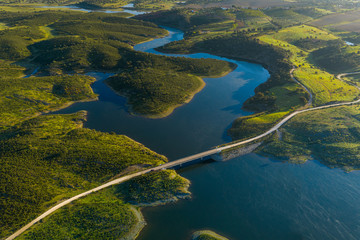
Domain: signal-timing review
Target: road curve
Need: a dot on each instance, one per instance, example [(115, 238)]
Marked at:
[(339, 76)]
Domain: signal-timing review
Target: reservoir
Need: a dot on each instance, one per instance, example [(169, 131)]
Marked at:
[(193, 127), (251, 197)]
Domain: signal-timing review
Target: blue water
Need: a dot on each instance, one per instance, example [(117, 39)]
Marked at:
[(251, 197), (254, 197), (193, 127)]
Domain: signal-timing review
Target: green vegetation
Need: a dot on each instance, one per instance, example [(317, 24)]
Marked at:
[(240, 46), (186, 18), (353, 78), (53, 154), (207, 235), (79, 42), (155, 187), (278, 50), (312, 12), (324, 86), (154, 5), (353, 37), (103, 214), (72, 53), (286, 17), (47, 159), (330, 136), (155, 93), (108, 214), (253, 125), (98, 4), (67, 41), (336, 58), (156, 85), (22, 98), (58, 158), (304, 36)]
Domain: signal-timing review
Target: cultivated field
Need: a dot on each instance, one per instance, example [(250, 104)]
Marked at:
[(349, 21)]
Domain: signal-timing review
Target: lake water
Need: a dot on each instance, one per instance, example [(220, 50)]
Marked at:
[(251, 197), (192, 128)]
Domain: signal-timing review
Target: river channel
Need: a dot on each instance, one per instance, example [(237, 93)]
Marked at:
[(251, 197)]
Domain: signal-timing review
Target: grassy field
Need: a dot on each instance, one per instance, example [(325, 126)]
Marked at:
[(294, 34), (286, 17), (330, 136), (255, 124), (324, 86), (313, 12), (238, 3)]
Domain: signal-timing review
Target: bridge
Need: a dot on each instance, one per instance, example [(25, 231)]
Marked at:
[(186, 161)]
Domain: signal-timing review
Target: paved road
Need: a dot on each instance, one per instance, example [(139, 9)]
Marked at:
[(339, 76), (346, 74), (181, 161)]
